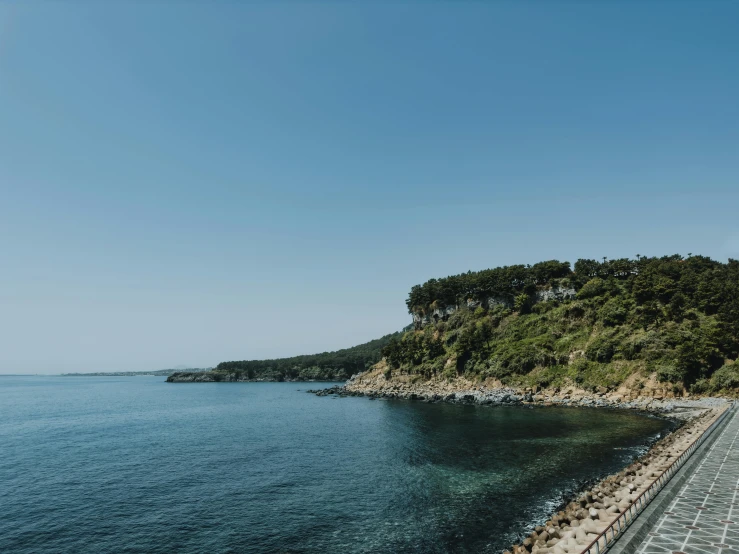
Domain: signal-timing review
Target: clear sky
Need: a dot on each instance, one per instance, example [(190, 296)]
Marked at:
[(183, 183)]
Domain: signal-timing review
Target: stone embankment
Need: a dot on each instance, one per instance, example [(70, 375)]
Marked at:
[(573, 529)]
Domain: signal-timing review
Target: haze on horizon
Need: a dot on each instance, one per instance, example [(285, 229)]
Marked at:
[(192, 183)]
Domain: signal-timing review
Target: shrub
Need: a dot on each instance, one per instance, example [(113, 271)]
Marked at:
[(726, 378), (594, 287), (669, 373), (459, 318), (613, 312), (520, 357), (575, 310), (498, 314), (676, 308), (579, 370), (475, 337), (649, 345), (449, 373), (522, 303), (701, 386), (602, 349), (549, 376), (544, 307), (649, 313)]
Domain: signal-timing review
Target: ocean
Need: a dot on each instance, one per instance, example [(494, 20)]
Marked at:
[(134, 464)]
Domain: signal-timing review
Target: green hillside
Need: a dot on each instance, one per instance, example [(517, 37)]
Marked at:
[(596, 324), (328, 366)]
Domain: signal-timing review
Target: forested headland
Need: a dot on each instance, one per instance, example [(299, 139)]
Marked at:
[(597, 323), (594, 324)]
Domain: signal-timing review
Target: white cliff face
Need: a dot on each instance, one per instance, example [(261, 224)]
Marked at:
[(440, 314), (555, 293), (490, 302), (499, 301)]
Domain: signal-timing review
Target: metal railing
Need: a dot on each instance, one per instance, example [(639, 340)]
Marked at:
[(609, 535)]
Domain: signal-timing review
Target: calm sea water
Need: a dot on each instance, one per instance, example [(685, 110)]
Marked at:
[(134, 464)]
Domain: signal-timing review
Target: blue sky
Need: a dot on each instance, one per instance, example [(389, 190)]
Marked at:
[(186, 183)]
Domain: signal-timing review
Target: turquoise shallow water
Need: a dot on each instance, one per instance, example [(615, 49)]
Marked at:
[(134, 464)]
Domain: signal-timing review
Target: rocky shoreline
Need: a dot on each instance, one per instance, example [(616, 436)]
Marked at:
[(580, 521), (464, 392)]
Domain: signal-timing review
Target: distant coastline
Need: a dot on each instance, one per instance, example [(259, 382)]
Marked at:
[(154, 373)]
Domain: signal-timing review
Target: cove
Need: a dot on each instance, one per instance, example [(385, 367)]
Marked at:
[(105, 464)]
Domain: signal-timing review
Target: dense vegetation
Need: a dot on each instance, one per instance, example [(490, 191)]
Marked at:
[(672, 316), (327, 366), (502, 282)]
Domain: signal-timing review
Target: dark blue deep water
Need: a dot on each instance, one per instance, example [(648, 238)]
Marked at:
[(133, 464)]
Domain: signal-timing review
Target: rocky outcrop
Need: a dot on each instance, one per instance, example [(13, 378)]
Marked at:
[(442, 314), (375, 384), (490, 302), (499, 396), (556, 293), (439, 314)]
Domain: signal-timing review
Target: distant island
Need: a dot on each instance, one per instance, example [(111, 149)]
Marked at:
[(157, 372)]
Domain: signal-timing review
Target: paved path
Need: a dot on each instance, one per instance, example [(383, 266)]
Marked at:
[(704, 517)]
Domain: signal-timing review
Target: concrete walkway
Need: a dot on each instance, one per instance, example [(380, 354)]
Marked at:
[(704, 516)]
